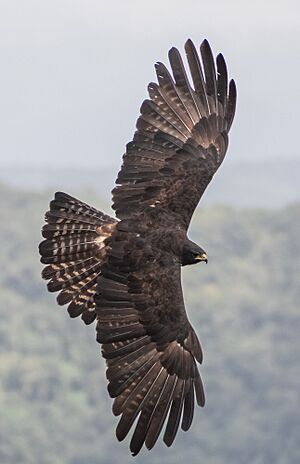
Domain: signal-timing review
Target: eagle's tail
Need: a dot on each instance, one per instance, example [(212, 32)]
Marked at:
[(76, 239)]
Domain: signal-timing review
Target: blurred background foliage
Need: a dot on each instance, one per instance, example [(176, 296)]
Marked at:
[(244, 305)]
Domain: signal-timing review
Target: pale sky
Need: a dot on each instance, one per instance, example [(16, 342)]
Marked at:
[(73, 74)]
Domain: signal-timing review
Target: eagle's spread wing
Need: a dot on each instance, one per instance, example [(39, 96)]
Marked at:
[(181, 137), (149, 345)]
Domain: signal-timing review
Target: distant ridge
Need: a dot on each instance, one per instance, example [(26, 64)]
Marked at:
[(271, 183)]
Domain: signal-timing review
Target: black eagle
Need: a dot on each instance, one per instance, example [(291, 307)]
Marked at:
[(125, 272)]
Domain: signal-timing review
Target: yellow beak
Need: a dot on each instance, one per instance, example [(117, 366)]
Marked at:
[(202, 257)]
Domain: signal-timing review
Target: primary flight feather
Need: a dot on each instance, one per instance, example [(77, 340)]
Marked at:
[(125, 272)]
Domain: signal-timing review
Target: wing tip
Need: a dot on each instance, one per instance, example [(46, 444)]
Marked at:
[(189, 42), (205, 46), (220, 59), (232, 85), (173, 51), (231, 106)]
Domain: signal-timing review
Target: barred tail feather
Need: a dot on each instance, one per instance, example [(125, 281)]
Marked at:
[(76, 239)]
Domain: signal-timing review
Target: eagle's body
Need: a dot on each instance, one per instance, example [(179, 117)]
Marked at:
[(125, 272)]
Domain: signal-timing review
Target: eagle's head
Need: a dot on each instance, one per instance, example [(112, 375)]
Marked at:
[(192, 253)]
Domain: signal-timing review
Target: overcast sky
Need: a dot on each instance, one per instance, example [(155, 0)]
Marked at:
[(74, 73)]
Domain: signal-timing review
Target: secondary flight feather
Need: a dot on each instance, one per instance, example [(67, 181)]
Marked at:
[(125, 272)]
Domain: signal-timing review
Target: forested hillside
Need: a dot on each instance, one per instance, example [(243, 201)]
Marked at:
[(54, 408)]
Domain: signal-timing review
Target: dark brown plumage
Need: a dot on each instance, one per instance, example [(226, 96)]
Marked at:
[(126, 273)]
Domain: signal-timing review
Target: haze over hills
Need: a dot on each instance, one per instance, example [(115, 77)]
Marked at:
[(266, 183), (54, 407)]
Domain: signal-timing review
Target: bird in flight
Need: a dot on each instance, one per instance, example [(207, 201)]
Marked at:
[(126, 272)]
